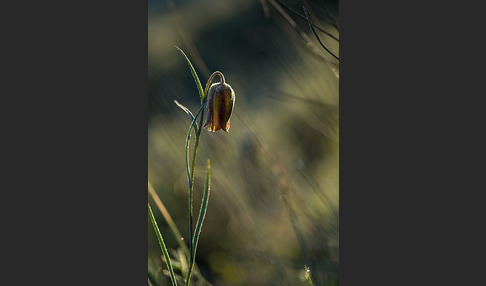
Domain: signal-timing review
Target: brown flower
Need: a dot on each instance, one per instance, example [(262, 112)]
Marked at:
[(221, 99)]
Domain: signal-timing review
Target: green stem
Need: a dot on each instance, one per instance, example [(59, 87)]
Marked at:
[(188, 138), (190, 175), (192, 241), (221, 76), (202, 214), (191, 191), (175, 230), (162, 246)]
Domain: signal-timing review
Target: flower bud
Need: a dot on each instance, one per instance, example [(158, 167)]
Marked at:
[(221, 99)]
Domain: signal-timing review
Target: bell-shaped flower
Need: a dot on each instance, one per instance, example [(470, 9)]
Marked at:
[(221, 99)]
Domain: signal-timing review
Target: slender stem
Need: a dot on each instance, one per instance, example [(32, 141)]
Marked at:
[(190, 174), (202, 214), (191, 191), (211, 79), (192, 251), (314, 31), (201, 109), (191, 180)]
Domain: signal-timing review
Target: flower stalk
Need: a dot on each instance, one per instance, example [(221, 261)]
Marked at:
[(217, 100)]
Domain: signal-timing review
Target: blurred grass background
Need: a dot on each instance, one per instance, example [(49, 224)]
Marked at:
[(274, 200)]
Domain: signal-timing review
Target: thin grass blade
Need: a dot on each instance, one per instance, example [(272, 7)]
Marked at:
[(202, 214), (202, 211), (162, 246), (188, 113), (177, 236), (194, 75)]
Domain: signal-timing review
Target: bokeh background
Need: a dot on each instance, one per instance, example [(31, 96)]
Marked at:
[(274, 202)]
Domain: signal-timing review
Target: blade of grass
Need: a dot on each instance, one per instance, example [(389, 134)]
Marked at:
[(188, 113), (162, 246), (202, 214), (166, 215), (194, 75), (176, 233)]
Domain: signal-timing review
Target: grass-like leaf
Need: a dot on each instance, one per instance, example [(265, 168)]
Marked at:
[(194, 75), (188, 113), (204, 206), (202, 214), (162, 246), (178, 238)]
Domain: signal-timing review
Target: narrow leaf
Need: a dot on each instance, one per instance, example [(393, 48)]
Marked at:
[(202, 214), (188, 113), (162, 246), (177, 236), (194, 75), (202, 211)]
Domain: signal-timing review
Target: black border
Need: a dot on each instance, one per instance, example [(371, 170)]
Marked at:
[(75, 153), (408, 132)]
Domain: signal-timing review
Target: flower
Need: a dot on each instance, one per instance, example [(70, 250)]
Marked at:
[(221, 99)]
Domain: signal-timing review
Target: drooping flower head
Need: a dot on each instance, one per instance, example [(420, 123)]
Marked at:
[(221, 99)]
